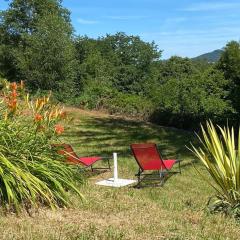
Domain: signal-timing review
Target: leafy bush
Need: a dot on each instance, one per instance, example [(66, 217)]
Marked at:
[(130, 105), (102, 96), (221, 157), (187, 101), (31, 172), (94, 95)]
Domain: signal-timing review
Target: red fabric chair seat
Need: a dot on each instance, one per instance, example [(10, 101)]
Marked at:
[(88, 161), (73, 158), (148, 157), (157, 165)]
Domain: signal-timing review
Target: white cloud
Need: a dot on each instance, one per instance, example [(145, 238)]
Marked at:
[(211, 6), (84, 21)]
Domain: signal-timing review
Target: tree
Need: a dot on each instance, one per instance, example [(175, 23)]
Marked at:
[(229, 63), (22, 17), (94, 69), (132, 59), (38, 37), (177, 67), (48, 63)]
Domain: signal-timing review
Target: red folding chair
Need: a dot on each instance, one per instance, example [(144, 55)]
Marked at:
[(149, 158), (73, 158)]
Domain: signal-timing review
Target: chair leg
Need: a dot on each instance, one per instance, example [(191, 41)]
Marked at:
[(139, 178), (109, 166), (161, 174), (162, 177)]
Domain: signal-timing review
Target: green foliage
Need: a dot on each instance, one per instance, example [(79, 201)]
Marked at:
[(177, 67), (188, 99), (2, 82), (94, 95), (106, 60), (112, 70), (37, 45), (178, 92), (133, 59), (124, 60), (229, 63), (22, 16), (48, 61), (130, 105), (221, 157)]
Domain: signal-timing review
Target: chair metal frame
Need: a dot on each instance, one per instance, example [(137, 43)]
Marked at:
[(75, 156)]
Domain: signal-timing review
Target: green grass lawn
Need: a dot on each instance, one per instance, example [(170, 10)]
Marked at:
[(175, 211)]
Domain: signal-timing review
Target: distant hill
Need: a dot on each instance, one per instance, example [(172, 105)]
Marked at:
[(210, 57)]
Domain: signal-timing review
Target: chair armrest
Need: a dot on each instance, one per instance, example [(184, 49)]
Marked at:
[(102, 157), (178, 160), (105, 157)]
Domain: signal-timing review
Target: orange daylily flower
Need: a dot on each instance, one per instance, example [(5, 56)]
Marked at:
[(14, 94), (12, 104), (38, 117), (13, 86), (59, 129)]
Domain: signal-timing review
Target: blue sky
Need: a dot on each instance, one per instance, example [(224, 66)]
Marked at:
[(179, 27)]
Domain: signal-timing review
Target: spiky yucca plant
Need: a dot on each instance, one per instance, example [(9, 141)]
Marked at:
[(221, 156)]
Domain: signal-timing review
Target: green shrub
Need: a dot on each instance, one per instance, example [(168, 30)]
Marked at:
[(94, 95), (130, 105), (187, 101), (31, 172), (221, 157), (103, 96)]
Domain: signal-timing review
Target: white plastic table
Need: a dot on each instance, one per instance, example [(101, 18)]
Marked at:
[(115, 181)]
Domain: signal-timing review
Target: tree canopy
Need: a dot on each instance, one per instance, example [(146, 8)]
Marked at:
[(229, 63), (37, 44)]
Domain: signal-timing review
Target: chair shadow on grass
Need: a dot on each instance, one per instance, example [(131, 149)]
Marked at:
[(148, 182), (88, 173)]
